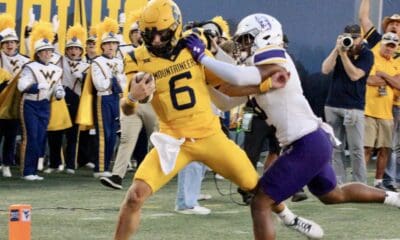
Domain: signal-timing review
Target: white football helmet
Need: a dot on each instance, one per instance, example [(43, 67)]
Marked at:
[(262, 28)]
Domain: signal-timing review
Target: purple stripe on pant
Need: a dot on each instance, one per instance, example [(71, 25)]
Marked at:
[(305, 162)]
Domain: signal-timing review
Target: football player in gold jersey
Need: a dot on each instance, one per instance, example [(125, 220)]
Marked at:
[(187, 124)]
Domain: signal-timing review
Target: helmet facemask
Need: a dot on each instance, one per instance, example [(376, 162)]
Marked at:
[(257, 31), (245, 46), (163, 18), (164, 47)]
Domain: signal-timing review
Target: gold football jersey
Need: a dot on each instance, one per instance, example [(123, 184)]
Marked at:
[(181, 100)]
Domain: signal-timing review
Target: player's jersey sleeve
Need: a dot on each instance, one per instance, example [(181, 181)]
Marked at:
[(131, 68), (211, 78), (270, 55)]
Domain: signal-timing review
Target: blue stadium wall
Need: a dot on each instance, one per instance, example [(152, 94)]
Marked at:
[(311, 25)]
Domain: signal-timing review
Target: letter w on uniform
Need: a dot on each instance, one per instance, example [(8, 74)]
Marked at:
[(48, 75), (73, 65), (14, 64)]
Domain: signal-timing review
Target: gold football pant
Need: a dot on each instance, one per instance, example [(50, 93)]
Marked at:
[(216, 151)]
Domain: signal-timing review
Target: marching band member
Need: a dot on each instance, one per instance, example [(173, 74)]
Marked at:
[(108, 78), (11, 63), (91, 45), (131, 125), (88, 144), (39, 82), (74, 70)]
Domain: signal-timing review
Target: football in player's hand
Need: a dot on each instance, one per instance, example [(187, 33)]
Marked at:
[(142, 87), (140, 76)]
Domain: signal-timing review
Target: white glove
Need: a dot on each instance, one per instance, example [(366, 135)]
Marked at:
[(121, 19), (43, 85), (32, 18), (77, 75), (59, 93), (121, 77), (55, 22)]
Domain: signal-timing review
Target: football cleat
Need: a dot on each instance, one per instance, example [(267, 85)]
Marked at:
[(114, 181), (306, 227)]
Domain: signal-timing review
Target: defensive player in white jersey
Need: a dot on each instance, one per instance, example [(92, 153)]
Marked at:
[(189, 130), (39, 82), (306, 140), (11, 61)]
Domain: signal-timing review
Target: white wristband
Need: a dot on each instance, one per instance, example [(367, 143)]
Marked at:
[(131, 98)]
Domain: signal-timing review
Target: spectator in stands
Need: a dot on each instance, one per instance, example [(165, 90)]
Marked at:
[(389, 24), (344, 108), (11, 63), (383, 79), (39, 82)]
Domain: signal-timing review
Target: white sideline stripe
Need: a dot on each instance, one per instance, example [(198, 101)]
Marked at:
[(92, 218), (159, 215), (241, 232), (387, 239), (349, 208), (227, 212)]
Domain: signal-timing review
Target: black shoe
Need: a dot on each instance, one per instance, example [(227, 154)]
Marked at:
[(381, 186), (299, 196), (390, 187), (114, 181), (246, 196)]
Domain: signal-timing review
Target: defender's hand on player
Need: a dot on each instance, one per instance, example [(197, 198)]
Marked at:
[(279, 79), (195, 46)]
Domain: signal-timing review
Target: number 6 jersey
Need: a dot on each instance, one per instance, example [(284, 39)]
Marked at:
[(181, 100)]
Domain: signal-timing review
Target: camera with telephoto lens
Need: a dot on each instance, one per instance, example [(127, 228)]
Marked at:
[(347, 42)]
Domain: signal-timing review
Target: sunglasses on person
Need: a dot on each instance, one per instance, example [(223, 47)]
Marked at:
[(149, 34)]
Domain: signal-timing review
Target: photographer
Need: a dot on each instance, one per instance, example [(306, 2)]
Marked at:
[(350, 61)]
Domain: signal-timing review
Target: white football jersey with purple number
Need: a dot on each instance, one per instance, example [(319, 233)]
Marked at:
[(287, 108)]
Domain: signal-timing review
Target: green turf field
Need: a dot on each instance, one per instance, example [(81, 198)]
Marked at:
[(79, 207)]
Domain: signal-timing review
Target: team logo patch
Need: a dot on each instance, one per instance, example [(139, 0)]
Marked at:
[(14, 215), (26, 215), (264, 23)]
